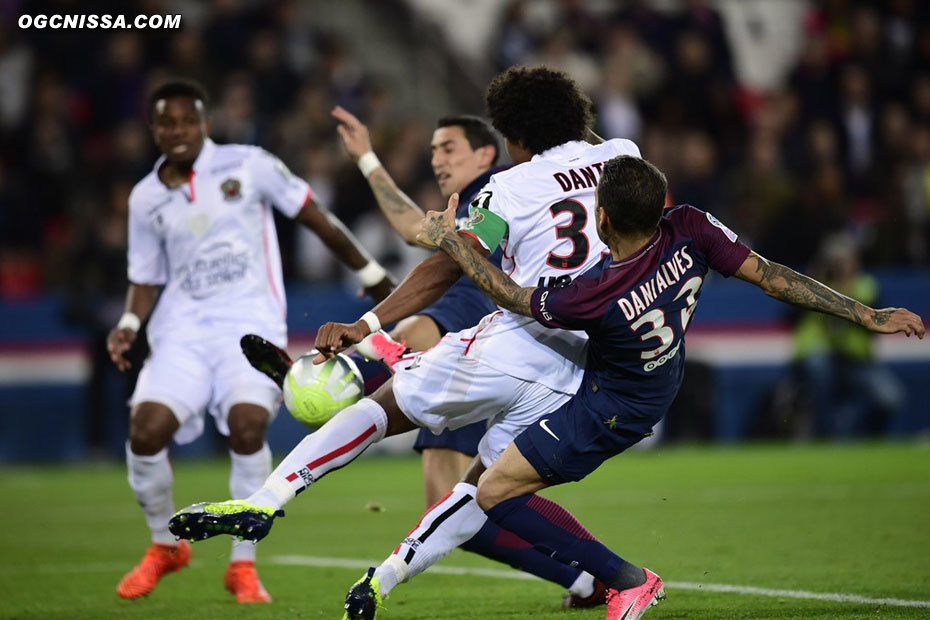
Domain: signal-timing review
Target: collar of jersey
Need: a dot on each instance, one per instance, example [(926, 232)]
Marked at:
[(646, 248), (566, 149), (205, 154)]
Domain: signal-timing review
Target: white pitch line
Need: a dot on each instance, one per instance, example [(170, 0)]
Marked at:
[(321, 562), (496, 573)]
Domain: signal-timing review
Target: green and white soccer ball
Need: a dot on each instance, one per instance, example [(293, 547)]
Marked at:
[(315, 393)]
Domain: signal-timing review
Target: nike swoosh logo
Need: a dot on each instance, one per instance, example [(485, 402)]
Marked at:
[(627, 612), (545, 427)]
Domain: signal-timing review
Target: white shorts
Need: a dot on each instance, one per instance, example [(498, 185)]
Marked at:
[(443, 388), (209, 373)]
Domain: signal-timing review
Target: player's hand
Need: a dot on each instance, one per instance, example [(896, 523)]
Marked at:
[(894, 320), (334, 338), (381, 290), (437, 224), (353, 132), (118, 342)]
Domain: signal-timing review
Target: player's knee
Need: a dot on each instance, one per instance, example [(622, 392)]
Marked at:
[(247, 432), (149, 433), (489, 494)]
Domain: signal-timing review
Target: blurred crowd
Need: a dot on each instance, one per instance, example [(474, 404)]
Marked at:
[(843, 145)]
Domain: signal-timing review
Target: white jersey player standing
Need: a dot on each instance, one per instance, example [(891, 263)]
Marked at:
[(507, 370), (201, 232)]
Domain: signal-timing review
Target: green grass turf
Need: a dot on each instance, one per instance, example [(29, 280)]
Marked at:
[(851, 519)]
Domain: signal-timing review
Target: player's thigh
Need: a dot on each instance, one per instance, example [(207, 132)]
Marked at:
[(443, 388), (443, 468), (178, 378), (418, 332), (510, 476), (239, 387), (528, 402)]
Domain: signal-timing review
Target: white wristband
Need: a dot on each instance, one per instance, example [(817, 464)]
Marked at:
[(368, 163), (129, 320), (371, 274), (371, 319)]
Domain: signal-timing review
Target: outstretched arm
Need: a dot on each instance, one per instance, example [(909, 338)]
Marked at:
[(423, 286), (797, 289), (438, 230), (402, 213)]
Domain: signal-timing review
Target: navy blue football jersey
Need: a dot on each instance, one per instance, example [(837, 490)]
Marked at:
[(636, 312)]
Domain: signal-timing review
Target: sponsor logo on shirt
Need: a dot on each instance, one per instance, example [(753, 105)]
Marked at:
[(542, 306), (214, 270)]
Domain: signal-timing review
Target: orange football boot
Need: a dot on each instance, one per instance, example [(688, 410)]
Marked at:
[(159, 560), (242, 580)]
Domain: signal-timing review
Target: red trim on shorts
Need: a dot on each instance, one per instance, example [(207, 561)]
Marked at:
[(471, 340)]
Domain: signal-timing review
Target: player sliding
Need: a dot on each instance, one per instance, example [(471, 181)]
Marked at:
[(464, 150), (507, 370), (635, 306)]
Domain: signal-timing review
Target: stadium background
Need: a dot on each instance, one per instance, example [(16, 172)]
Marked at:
[(791, 121)]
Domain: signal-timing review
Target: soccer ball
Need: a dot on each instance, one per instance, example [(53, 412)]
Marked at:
[(315, 393)]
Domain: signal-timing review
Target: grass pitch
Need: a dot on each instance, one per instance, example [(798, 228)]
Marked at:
[(830, 519)]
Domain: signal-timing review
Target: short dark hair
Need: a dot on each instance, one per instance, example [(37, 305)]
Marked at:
[(478, 132), (538, 108), (179, 87), (632, 191)]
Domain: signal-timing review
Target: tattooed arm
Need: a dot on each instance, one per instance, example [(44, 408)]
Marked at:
[(402, 212), (438, 230), (797, 289)]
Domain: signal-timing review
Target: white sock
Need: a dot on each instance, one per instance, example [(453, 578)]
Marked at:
[(151, 479), (449, 523), (333, 445), (246, 476), (583, 586)]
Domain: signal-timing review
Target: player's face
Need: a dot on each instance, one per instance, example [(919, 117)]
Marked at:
[(455, 163), (179, 128)]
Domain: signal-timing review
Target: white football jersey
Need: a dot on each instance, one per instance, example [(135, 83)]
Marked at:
[(548, 205), (212, 242)]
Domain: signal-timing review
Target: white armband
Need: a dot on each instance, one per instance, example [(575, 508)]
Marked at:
[(371, 319), (368, 163), (371, 274), (129, 320)]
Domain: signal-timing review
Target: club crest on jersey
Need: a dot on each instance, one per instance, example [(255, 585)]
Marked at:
[(729, 233), (475, 217), (232, 190)]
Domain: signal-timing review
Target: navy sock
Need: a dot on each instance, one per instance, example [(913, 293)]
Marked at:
[(554, 530), (374, 373), (493, 542)]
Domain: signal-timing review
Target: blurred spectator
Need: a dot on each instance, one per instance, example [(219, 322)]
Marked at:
[(852, 394)]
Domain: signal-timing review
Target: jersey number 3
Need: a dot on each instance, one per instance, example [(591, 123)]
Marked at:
[(574, 232)]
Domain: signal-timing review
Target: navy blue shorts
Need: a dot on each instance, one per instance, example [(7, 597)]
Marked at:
[(461, 307), (571, 442), (464, 440)]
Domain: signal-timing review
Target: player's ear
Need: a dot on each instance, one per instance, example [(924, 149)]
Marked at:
[(486, 155)]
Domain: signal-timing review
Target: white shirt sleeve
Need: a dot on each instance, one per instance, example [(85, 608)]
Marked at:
[(146, 259), (281, 187), (622, 146)]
